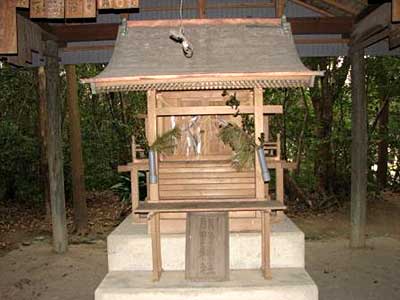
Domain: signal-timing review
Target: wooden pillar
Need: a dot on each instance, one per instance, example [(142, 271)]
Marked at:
[(258, 129), (279, 8), (359, 149), (43, 135), (78, 179), (201, 4), (55, 154), (152, 134)]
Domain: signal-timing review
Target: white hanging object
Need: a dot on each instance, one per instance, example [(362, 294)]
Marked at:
[(179, 37)]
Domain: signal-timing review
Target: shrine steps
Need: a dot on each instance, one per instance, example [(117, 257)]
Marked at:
[(286, 284), (129, 248)]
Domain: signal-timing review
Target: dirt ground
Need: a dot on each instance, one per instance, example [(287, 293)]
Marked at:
[(30, 270)]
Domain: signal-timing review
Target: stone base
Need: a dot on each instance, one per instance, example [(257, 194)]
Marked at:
[(129, 248), (286, 284)]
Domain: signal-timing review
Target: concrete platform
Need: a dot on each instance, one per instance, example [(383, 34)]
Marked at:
[(129, 248), (286, 284)]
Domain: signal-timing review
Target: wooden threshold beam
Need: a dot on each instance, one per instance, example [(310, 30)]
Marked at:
[(214, 110)]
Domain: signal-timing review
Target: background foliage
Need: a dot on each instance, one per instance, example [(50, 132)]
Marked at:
[(315, 130)]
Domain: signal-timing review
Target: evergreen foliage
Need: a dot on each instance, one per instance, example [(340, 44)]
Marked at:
[(166, 143)]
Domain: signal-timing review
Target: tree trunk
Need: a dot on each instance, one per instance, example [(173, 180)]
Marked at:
[(43, 136), (383, 146), (323, 164), (78, 179)]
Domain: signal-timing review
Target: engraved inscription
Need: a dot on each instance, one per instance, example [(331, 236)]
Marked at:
[(207, 247)]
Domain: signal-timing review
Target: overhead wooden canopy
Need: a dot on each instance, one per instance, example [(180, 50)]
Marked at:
[(228, 54)]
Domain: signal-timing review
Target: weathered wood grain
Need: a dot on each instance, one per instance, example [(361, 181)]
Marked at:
[(8, 27), (117, 4), (51, 9), (80, 9), (207, 247), (359, 148), (55, 153)]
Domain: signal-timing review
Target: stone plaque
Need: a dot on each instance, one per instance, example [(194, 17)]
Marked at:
[(207, 247)]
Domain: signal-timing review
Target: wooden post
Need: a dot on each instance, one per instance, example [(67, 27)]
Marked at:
[(55, 154), (78, 179), (43, 134), (279, 8), (153, 189), (152, 134), (265, 244), (359, 148), (258, 129), (201, 4)]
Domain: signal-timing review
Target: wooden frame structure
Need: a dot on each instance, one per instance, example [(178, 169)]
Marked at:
[(201, 178), (155, 208)]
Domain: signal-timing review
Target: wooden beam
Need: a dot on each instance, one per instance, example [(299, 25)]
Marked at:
[(98, 32), (8, 27), (373, 23), (280, 8), (55, 149), (344, 7), (201, 4), (311, 25), (359, 149), (215, 110), (395, 10), (373, 39), (394, 36), (311, 7), (78, 178)]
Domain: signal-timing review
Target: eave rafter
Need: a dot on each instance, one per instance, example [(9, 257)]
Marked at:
[(334, 7)]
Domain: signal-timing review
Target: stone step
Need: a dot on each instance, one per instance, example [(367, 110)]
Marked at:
[(286, 284), (129, 248)]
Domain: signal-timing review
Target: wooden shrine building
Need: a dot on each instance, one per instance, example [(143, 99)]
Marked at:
[(236, 56)]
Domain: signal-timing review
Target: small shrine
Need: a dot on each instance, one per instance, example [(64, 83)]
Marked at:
[(205, 82)]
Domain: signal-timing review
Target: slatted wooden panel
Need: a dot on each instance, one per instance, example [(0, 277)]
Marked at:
[(117, 4), (204, 180), (80, 8), (51, 9)]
